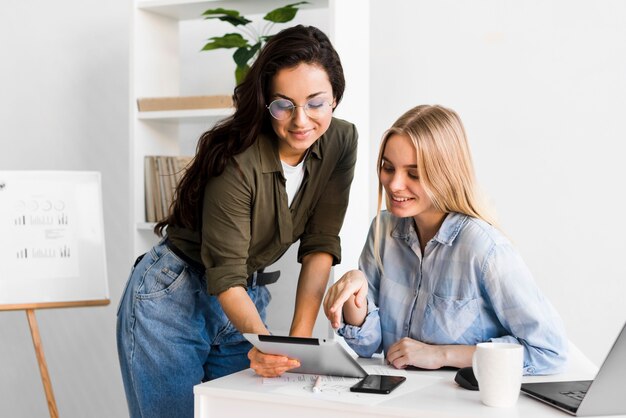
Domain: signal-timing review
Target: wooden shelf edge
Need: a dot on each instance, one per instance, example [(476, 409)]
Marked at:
[(183, 115), (145, 226)]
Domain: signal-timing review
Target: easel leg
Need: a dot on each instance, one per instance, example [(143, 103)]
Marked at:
[(43, 368)]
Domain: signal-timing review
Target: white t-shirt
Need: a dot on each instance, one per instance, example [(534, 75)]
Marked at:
[(294, 177)]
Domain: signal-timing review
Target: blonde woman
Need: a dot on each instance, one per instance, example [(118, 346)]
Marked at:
[(436, 276)]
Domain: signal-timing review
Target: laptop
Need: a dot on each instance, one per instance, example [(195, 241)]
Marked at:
[(316, 355), (602, 396)]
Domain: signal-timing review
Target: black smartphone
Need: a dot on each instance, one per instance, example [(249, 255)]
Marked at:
[(376, 383)]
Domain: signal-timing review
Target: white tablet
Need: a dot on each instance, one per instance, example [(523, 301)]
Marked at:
[(316, 355)]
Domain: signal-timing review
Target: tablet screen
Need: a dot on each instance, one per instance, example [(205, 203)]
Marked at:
[(316, 355)]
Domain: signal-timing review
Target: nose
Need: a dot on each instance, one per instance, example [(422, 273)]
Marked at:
[(396, 182), (299, 116)]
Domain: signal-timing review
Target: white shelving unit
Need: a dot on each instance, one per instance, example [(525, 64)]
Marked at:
[(157, 69)]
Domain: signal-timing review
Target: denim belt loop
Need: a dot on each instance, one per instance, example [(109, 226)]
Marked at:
[(252, 282)]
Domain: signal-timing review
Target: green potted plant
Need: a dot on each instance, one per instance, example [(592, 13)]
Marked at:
[(249, 40)]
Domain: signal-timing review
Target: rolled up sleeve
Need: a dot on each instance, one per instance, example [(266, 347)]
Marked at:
[(366, 339), (226, 230)]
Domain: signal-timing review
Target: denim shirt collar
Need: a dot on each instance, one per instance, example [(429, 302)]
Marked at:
[(449, 230)]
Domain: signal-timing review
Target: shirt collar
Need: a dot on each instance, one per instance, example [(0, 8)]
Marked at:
[(449, 230), (268, 152), (315, 148), (268, 148)]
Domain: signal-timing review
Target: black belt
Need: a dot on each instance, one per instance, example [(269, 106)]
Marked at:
[(258, 278), (261, 278)]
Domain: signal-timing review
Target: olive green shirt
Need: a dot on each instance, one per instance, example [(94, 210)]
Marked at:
[(246, 223)]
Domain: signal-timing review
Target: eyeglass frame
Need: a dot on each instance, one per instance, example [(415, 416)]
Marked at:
[(294, 106)]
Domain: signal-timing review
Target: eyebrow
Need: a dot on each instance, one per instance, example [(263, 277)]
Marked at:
[(385, 160), (310, 96)]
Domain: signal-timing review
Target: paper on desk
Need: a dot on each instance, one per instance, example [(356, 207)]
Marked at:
[(310, 378), (336, 388), (384, 370)]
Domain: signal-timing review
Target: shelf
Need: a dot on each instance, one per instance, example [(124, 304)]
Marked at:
[(193, 9), (145, 226), (193, 115)]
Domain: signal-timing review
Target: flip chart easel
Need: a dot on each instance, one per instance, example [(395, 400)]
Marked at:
[(52, 254)]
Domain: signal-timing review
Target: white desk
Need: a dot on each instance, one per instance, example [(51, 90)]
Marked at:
[(428, 394)]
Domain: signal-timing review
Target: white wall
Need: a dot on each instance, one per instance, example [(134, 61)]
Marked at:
[(541, 87), (63, 106)]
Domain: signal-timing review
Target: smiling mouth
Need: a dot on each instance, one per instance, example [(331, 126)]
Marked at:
[(401, 199)]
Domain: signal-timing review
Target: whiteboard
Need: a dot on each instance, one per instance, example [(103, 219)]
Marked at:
[(51, 238)]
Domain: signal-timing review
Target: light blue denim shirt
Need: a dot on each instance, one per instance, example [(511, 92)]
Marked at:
[(470, 286)]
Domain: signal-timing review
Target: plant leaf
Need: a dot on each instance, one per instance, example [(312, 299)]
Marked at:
[(245, 54), (231, 16), (285, 13), (255, 48), (240, 73), (235, 21), (230, 40), (241, 56), (220, 11)]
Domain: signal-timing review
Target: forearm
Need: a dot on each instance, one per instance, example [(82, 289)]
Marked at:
[(457, 355), (311, 287), (410, 352), (241, 311), (352, 314)]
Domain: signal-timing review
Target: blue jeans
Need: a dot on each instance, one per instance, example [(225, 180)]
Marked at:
[(172, 335)]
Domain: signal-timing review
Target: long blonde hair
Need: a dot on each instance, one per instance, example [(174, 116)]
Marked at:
[(444, 163)]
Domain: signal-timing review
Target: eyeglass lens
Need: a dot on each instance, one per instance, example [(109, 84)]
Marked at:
[(283, 109)]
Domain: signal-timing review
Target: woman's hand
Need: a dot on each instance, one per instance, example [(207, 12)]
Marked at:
[(269, 365), (409, 352), (351, 288)]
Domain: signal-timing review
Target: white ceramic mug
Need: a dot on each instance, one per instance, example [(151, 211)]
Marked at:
[(498, 368)]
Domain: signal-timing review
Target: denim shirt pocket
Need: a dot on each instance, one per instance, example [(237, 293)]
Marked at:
[(450, 320)]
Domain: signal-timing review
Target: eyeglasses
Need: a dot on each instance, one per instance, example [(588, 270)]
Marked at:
[(282, 109)]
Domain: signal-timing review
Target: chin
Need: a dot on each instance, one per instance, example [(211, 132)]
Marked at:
[(301, 145), (397, 213)]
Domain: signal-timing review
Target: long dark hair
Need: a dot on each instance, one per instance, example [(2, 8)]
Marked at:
[(233, 135)]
